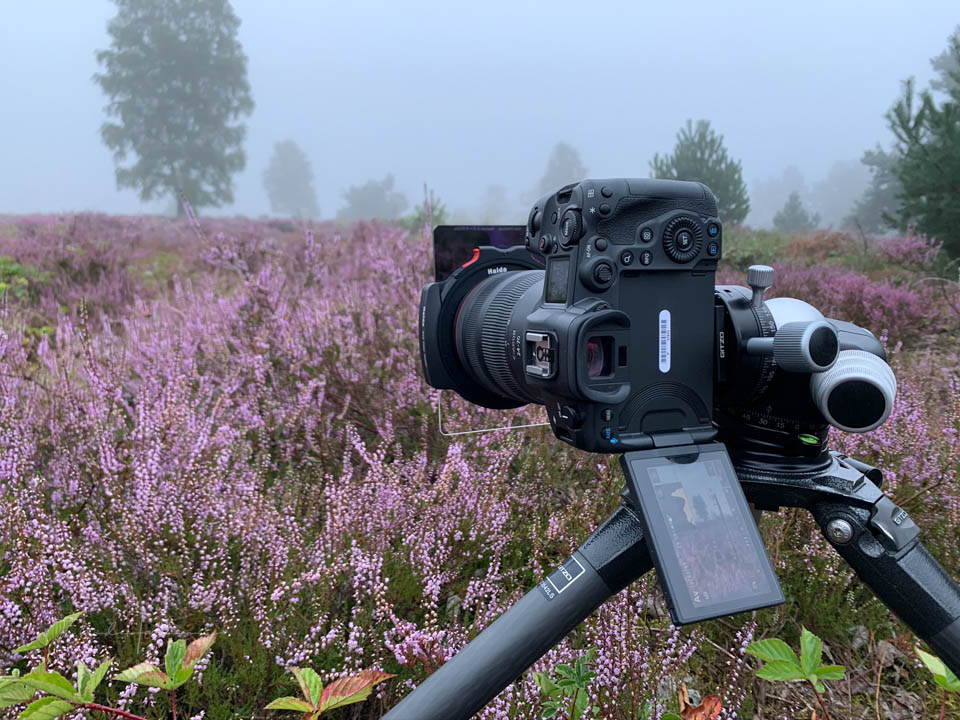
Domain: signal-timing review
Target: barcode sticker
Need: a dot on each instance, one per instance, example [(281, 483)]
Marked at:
[(664, 341)]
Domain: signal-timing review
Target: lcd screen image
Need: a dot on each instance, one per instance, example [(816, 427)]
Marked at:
[(711, 540)]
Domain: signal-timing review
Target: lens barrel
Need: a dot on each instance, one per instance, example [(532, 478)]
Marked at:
[(483, 330), (857, 393)]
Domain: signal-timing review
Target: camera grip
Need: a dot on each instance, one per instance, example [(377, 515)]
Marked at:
[(900, 571), (612, 557)]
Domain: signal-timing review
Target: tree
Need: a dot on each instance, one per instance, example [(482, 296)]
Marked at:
[(793, 217), (563, 167), (374, 199), (876, 210), (928, 167), (700, 155), (947, 66), (428, 214), (176, 78), (288, 181)]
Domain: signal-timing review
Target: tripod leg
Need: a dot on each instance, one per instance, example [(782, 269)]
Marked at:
[(611, 558), (882, 545)]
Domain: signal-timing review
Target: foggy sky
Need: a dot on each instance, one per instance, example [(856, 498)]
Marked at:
[(465, 95)]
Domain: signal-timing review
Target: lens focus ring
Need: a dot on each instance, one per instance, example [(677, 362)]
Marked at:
[(482, 331)]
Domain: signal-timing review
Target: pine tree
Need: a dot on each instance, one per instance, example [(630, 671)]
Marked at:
[(793, 217), (928, 168), (876, 210), (563, 167), (700, 155), (373, 199), (288, 181), (176, 78)]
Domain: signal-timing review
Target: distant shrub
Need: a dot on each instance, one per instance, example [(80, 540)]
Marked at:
[(743, 246)]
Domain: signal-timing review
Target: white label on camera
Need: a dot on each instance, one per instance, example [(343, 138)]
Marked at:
[(664, 341)]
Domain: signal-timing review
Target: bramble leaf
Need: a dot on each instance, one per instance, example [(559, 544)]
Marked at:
[(50, 634), (174, 657), (709, 709), (304, 687), (811, 651), (51, 683), (14, 693), (781, 671), (46, 708), (347, 691), (97, 677), (771, 650), (144, 674), (830, 672), (547, 686), (290, 703), (198, 648), (83, 677), (943, 675)]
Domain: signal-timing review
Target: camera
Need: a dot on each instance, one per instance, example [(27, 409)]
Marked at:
[(627, 342)]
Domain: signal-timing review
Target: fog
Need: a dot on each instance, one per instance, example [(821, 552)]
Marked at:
[(468, 96)]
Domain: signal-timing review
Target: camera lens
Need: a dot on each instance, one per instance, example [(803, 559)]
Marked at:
[(483, 330), (594, 359)]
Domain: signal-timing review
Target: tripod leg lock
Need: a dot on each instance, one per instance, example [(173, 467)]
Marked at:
[(896, 528), (881, 543)]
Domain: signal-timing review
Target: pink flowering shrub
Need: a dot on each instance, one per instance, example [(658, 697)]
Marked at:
[(228, 431)]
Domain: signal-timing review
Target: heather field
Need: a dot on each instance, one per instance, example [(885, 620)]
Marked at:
[(223, 426)]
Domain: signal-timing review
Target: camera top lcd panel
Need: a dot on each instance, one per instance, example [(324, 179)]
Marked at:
[(616, 338)]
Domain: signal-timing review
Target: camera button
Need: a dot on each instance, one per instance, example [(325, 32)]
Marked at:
[(606, 433), (571, 224), (546, 244), (626, 257), (605, 209), (603, 273), (606, 414), (646, 257), (645, 235), (606, 192), (600, 244)]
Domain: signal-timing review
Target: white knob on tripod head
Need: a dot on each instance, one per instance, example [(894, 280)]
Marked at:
[(857, 393)]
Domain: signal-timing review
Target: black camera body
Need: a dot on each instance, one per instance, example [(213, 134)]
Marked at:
[(616, 337)]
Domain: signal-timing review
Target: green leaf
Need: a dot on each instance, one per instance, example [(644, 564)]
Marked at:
[(51, 683), (15, 693), (771, 650), (183, 674), (547, 686), (174, 657), (83, 677), (780, 671), (144, 674), (98, 676), (314, 685), (933, 663), (830, 672), (811, 650), (46, 708), (670, 716), (304, 688), (550, 710), (290, 703), (50, 634)]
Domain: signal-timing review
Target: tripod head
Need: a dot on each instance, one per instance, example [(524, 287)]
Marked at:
[(785, 374)]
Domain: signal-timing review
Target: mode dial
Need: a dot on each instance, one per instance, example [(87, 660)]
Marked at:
[(682, 238)]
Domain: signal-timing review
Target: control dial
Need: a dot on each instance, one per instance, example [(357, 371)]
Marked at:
[(682, 238)]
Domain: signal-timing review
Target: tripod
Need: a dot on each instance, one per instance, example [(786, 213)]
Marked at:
[(877, 539)]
